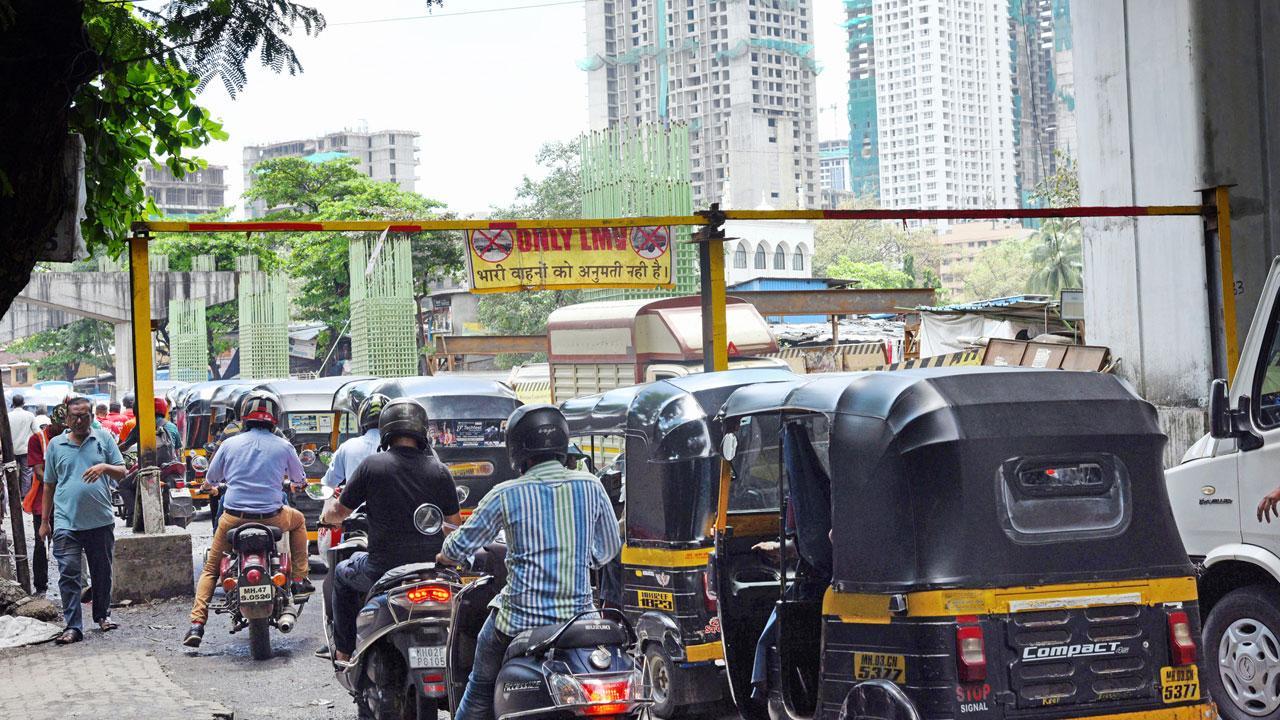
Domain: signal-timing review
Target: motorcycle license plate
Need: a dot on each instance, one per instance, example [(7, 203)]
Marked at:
[(180, 492), (257, 593), (426, 657)]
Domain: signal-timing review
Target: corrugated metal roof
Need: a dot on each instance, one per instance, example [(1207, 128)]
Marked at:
[(1004, 304)]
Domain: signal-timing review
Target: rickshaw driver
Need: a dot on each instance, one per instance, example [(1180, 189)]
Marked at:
[(349, 455), (548, 580)]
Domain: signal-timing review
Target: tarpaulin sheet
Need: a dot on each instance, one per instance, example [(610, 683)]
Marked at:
[(19, 631), (942, 333)]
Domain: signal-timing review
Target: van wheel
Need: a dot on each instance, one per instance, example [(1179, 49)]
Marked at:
[(1242, 654), (665, 682)]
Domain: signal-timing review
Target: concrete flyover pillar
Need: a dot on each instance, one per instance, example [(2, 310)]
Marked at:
[(124, 356)]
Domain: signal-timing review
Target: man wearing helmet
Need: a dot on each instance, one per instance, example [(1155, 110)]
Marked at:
[(391, 485), (252, 465), (351, 453), (559, 525)]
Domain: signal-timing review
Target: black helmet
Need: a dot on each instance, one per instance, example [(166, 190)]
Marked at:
[(370, 409), (403, 416), (536, 430), (260, 406)]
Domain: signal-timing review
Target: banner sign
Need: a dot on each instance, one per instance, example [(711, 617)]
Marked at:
[(511, 259)]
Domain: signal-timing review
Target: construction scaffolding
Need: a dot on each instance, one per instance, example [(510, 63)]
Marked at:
[(384, 339), (642, 171), (264, 322), (188, 341)]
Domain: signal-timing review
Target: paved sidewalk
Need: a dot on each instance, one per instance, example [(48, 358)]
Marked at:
[(78, 681)]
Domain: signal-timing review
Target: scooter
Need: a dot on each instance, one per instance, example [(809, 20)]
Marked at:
[(578, 668), (397, 669)]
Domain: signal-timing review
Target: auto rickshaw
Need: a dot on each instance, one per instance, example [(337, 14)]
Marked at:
[(308, 421), (468, 424), (986, 543), (660, 435)]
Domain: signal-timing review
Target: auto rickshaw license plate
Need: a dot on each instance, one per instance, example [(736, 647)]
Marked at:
[(656, 600), (879, 666), (1179, 684)]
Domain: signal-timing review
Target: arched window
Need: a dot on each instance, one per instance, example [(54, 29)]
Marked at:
[(760, 257), (740, 257), (797, 260), (780, 258)]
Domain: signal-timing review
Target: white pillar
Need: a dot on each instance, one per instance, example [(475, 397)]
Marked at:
[(124, 357)]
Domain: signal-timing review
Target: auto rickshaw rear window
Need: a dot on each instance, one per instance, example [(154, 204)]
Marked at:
[(755, 466), (1054, 499)]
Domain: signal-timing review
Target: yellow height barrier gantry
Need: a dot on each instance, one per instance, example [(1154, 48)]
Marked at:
[(1215, 213)]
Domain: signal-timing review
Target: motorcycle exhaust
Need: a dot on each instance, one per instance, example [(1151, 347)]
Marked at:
[(286, 622)]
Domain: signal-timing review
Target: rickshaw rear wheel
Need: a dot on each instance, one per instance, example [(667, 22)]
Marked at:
[(664, 680), (1242, 649)]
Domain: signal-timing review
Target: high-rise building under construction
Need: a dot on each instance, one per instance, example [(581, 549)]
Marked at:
[(740, 73)]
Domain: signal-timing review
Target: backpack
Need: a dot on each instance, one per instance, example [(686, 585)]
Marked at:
[(165, 451)]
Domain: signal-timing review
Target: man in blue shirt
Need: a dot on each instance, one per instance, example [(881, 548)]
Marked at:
[(253, 464), (559, 525), (349, 454), (78, 467)]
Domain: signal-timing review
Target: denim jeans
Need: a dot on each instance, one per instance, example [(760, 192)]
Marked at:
[(69, 547), (491, 646), (352, 579)]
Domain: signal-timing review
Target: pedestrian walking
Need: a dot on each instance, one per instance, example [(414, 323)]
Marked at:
[(22, 425), (33, 502), (79, 465)]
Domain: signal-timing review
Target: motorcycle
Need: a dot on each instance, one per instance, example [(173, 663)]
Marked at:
[(578, 668), (397, 669), (178, 507), (254, 576)]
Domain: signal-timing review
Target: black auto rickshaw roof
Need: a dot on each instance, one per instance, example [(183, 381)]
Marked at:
[(198, 398), (607, 413), (916, 469), (449, 397)]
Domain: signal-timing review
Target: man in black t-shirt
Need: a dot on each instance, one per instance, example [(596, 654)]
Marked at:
[(391, 485)]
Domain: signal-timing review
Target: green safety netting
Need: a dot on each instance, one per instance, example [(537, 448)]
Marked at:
[(264, 322), (188, 341), (641, 171), (383, 314)]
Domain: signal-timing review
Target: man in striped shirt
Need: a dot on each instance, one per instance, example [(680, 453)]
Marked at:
[(558, 524)]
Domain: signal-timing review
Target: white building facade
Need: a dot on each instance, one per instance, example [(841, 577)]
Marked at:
[(772, 249), (384, 155), (943, 103), (739, 72)]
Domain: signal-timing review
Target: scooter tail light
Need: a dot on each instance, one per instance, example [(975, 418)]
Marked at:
[(179, 484), (433, 684), (429, 593), (254, 576), (1182, 643), (228, 584), (607, 696), (971, 654)]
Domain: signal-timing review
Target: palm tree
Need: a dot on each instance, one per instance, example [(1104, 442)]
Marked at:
[(1057, 258)]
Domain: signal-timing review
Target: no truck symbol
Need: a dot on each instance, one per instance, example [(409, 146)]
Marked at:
[(492, 245), (650, 242)]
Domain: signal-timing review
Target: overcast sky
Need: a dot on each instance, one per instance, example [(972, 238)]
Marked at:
[(483, 82)]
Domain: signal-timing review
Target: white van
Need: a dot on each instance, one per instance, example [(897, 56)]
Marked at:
[(1215, 494)]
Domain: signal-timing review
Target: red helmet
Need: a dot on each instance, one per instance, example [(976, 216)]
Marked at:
[(162, 407), (260, 406)]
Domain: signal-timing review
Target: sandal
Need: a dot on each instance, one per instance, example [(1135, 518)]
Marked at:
[(68, 636), (108, 624)]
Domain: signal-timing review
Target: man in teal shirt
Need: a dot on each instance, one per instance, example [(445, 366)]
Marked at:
[(78, 467)]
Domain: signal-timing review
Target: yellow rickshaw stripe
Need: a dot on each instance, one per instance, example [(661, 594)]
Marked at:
[(665, 558), (1199, 711), (704, 652), (874, 608)]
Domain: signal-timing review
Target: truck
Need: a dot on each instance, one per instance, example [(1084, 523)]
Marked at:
[(1215, 492), (598, 346)]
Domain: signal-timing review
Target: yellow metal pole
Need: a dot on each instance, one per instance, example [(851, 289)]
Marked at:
[(1222, 201), (144, 384), (719, 324)]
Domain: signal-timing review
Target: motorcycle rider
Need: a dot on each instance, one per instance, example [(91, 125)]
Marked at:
[(559, 525), (351, 453), (391, 485), (252, 464)]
